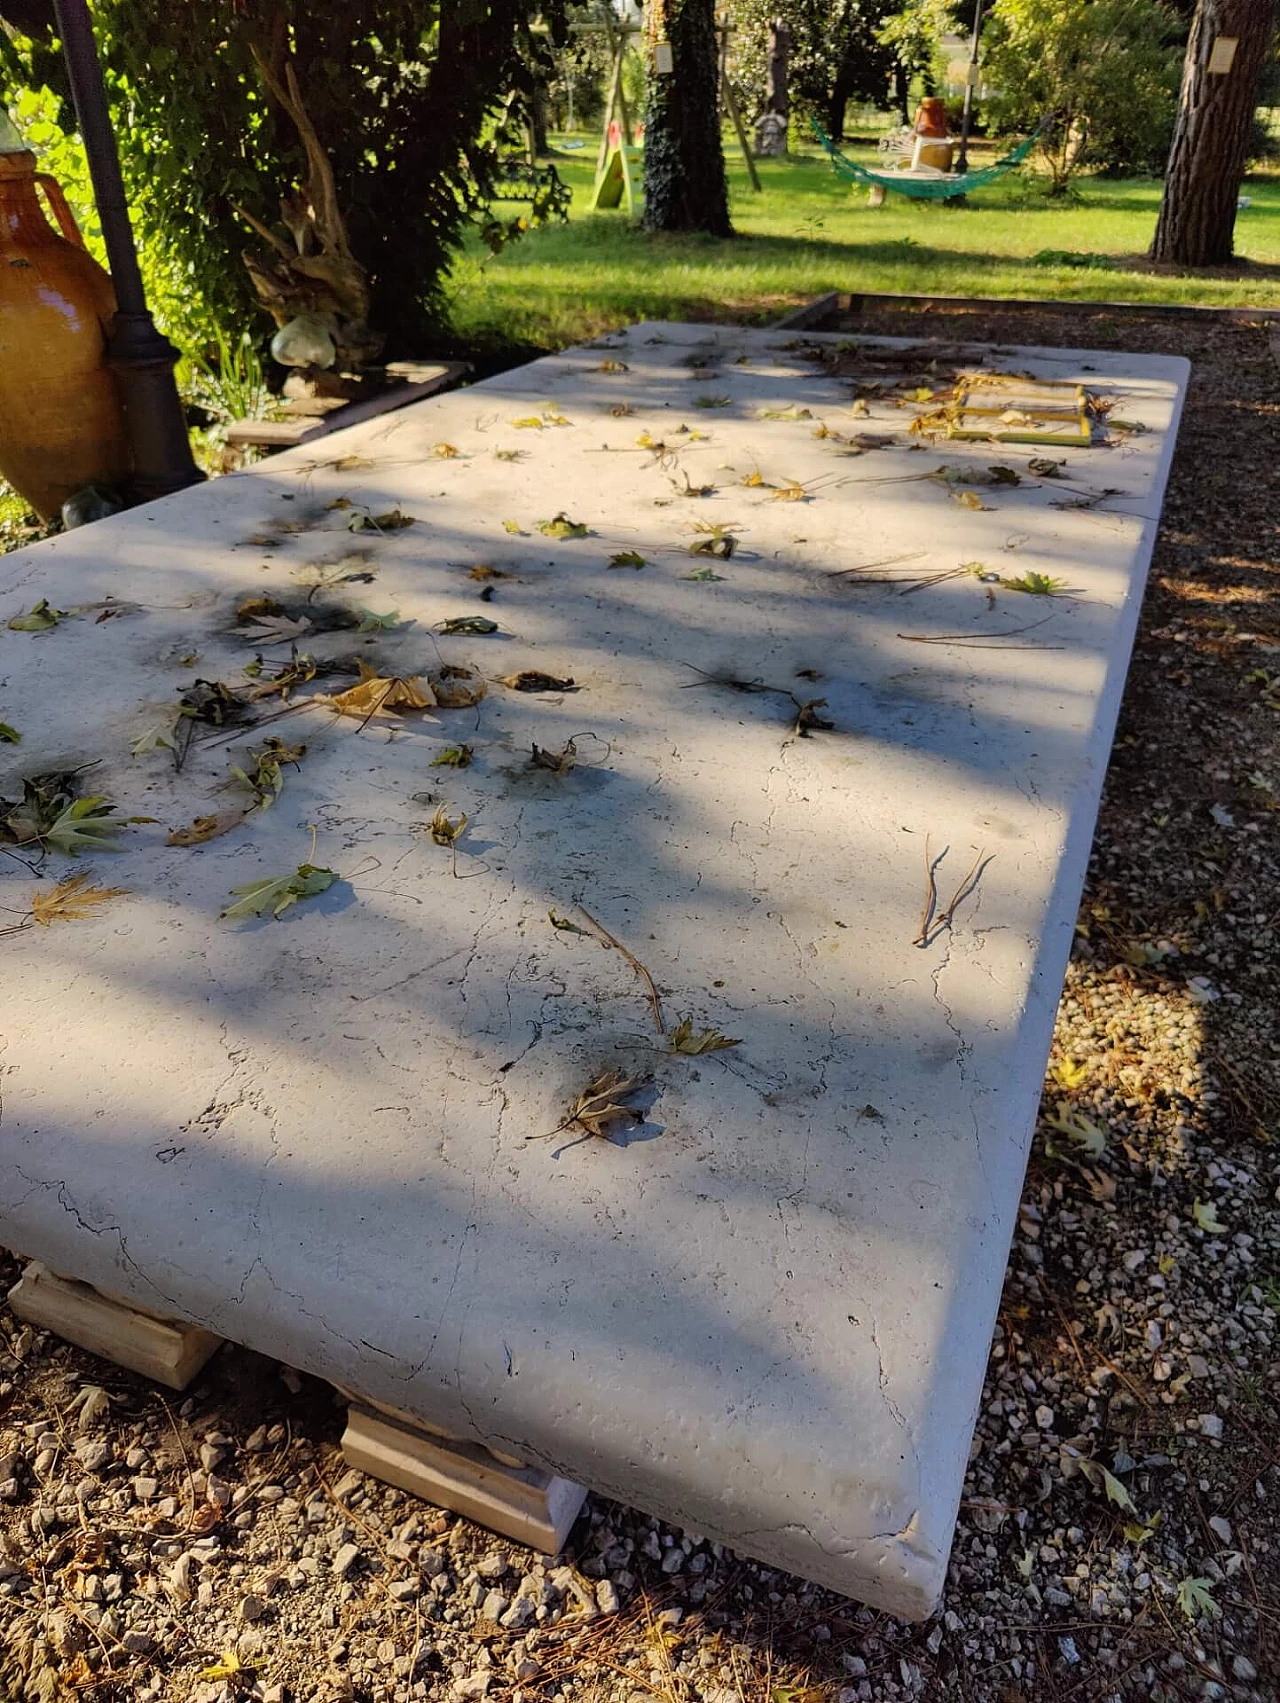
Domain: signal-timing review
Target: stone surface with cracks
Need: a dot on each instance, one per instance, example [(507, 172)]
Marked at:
[(764, 1311)]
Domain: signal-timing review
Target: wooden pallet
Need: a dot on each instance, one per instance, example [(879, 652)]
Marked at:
[(162, 1349)]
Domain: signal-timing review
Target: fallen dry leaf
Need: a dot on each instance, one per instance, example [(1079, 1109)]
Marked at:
[(600, 1105), (275, 630), (445, 831), (72, 899), (206, 828), (558, 762), (532, 680), (379, 695), (683, 1039), (457, 688)]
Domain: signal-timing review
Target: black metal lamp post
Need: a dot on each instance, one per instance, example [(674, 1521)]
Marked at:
[(142, 359), (962, 162)]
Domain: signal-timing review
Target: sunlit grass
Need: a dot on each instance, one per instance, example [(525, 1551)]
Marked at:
[(809, 233)]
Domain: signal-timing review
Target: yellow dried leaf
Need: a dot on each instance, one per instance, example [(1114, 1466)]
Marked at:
[(1071, 1074), (226, 1667), (445, 831), (379, 695), (684, 1040), (72, 899)]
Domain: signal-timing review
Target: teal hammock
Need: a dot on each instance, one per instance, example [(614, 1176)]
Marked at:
[(941, 187)]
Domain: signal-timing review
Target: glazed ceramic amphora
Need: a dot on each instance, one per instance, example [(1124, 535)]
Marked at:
[(61, 423)]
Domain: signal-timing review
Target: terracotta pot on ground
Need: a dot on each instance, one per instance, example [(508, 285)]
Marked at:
[(61, 423)]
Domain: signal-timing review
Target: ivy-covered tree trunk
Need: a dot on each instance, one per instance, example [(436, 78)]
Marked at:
[(1211, 138), (685, 188)]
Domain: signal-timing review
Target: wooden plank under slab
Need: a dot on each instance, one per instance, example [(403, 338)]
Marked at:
[(524, 1503), (162, 1349)]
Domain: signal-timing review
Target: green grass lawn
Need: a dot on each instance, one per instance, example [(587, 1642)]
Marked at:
[(808, 232)]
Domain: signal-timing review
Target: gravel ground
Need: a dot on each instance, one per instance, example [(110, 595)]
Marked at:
[(1119, 1536)]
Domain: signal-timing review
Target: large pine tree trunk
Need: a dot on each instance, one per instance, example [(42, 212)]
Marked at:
[(684, 178), (1211, 137)]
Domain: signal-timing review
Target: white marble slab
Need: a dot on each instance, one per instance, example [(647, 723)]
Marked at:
[(765, 1312)]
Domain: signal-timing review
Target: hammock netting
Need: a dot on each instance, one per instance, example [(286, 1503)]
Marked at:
[(927, 186)]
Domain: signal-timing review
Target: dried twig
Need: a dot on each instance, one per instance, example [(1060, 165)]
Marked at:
[(884, 562), (982, 641), (930, 892), (963, 891), (931, 925), (611, 940)]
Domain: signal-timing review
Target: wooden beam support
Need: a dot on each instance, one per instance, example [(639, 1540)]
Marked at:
[(162, 1349), (526, 1504)]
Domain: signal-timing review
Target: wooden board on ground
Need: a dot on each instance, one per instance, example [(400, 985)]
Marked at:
[(427, 381)]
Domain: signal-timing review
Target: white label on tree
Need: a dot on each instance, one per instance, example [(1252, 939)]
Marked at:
[(664, 64), (1222, 55)]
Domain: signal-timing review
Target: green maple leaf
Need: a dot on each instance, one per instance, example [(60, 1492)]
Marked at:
[(1081, 1131), (158, 738), (277, 892), (86, 823), (9, 735), (1196, 1599), (562, 527), (374, 623), (38, 619), (1206, 1216), (454, 757)]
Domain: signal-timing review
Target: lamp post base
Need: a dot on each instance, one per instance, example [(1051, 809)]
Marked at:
[(143, 360)]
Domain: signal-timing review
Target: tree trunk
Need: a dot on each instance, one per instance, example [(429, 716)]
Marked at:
[(1211, 137), (778, 98), (685, 188), (839, 98), (536, 125), (902, 91)]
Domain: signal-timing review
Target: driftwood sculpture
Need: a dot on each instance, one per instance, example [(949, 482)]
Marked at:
[(308, 267)]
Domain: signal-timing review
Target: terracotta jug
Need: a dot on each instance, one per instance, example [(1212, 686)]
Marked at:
[(932, 147), (61, 423)]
